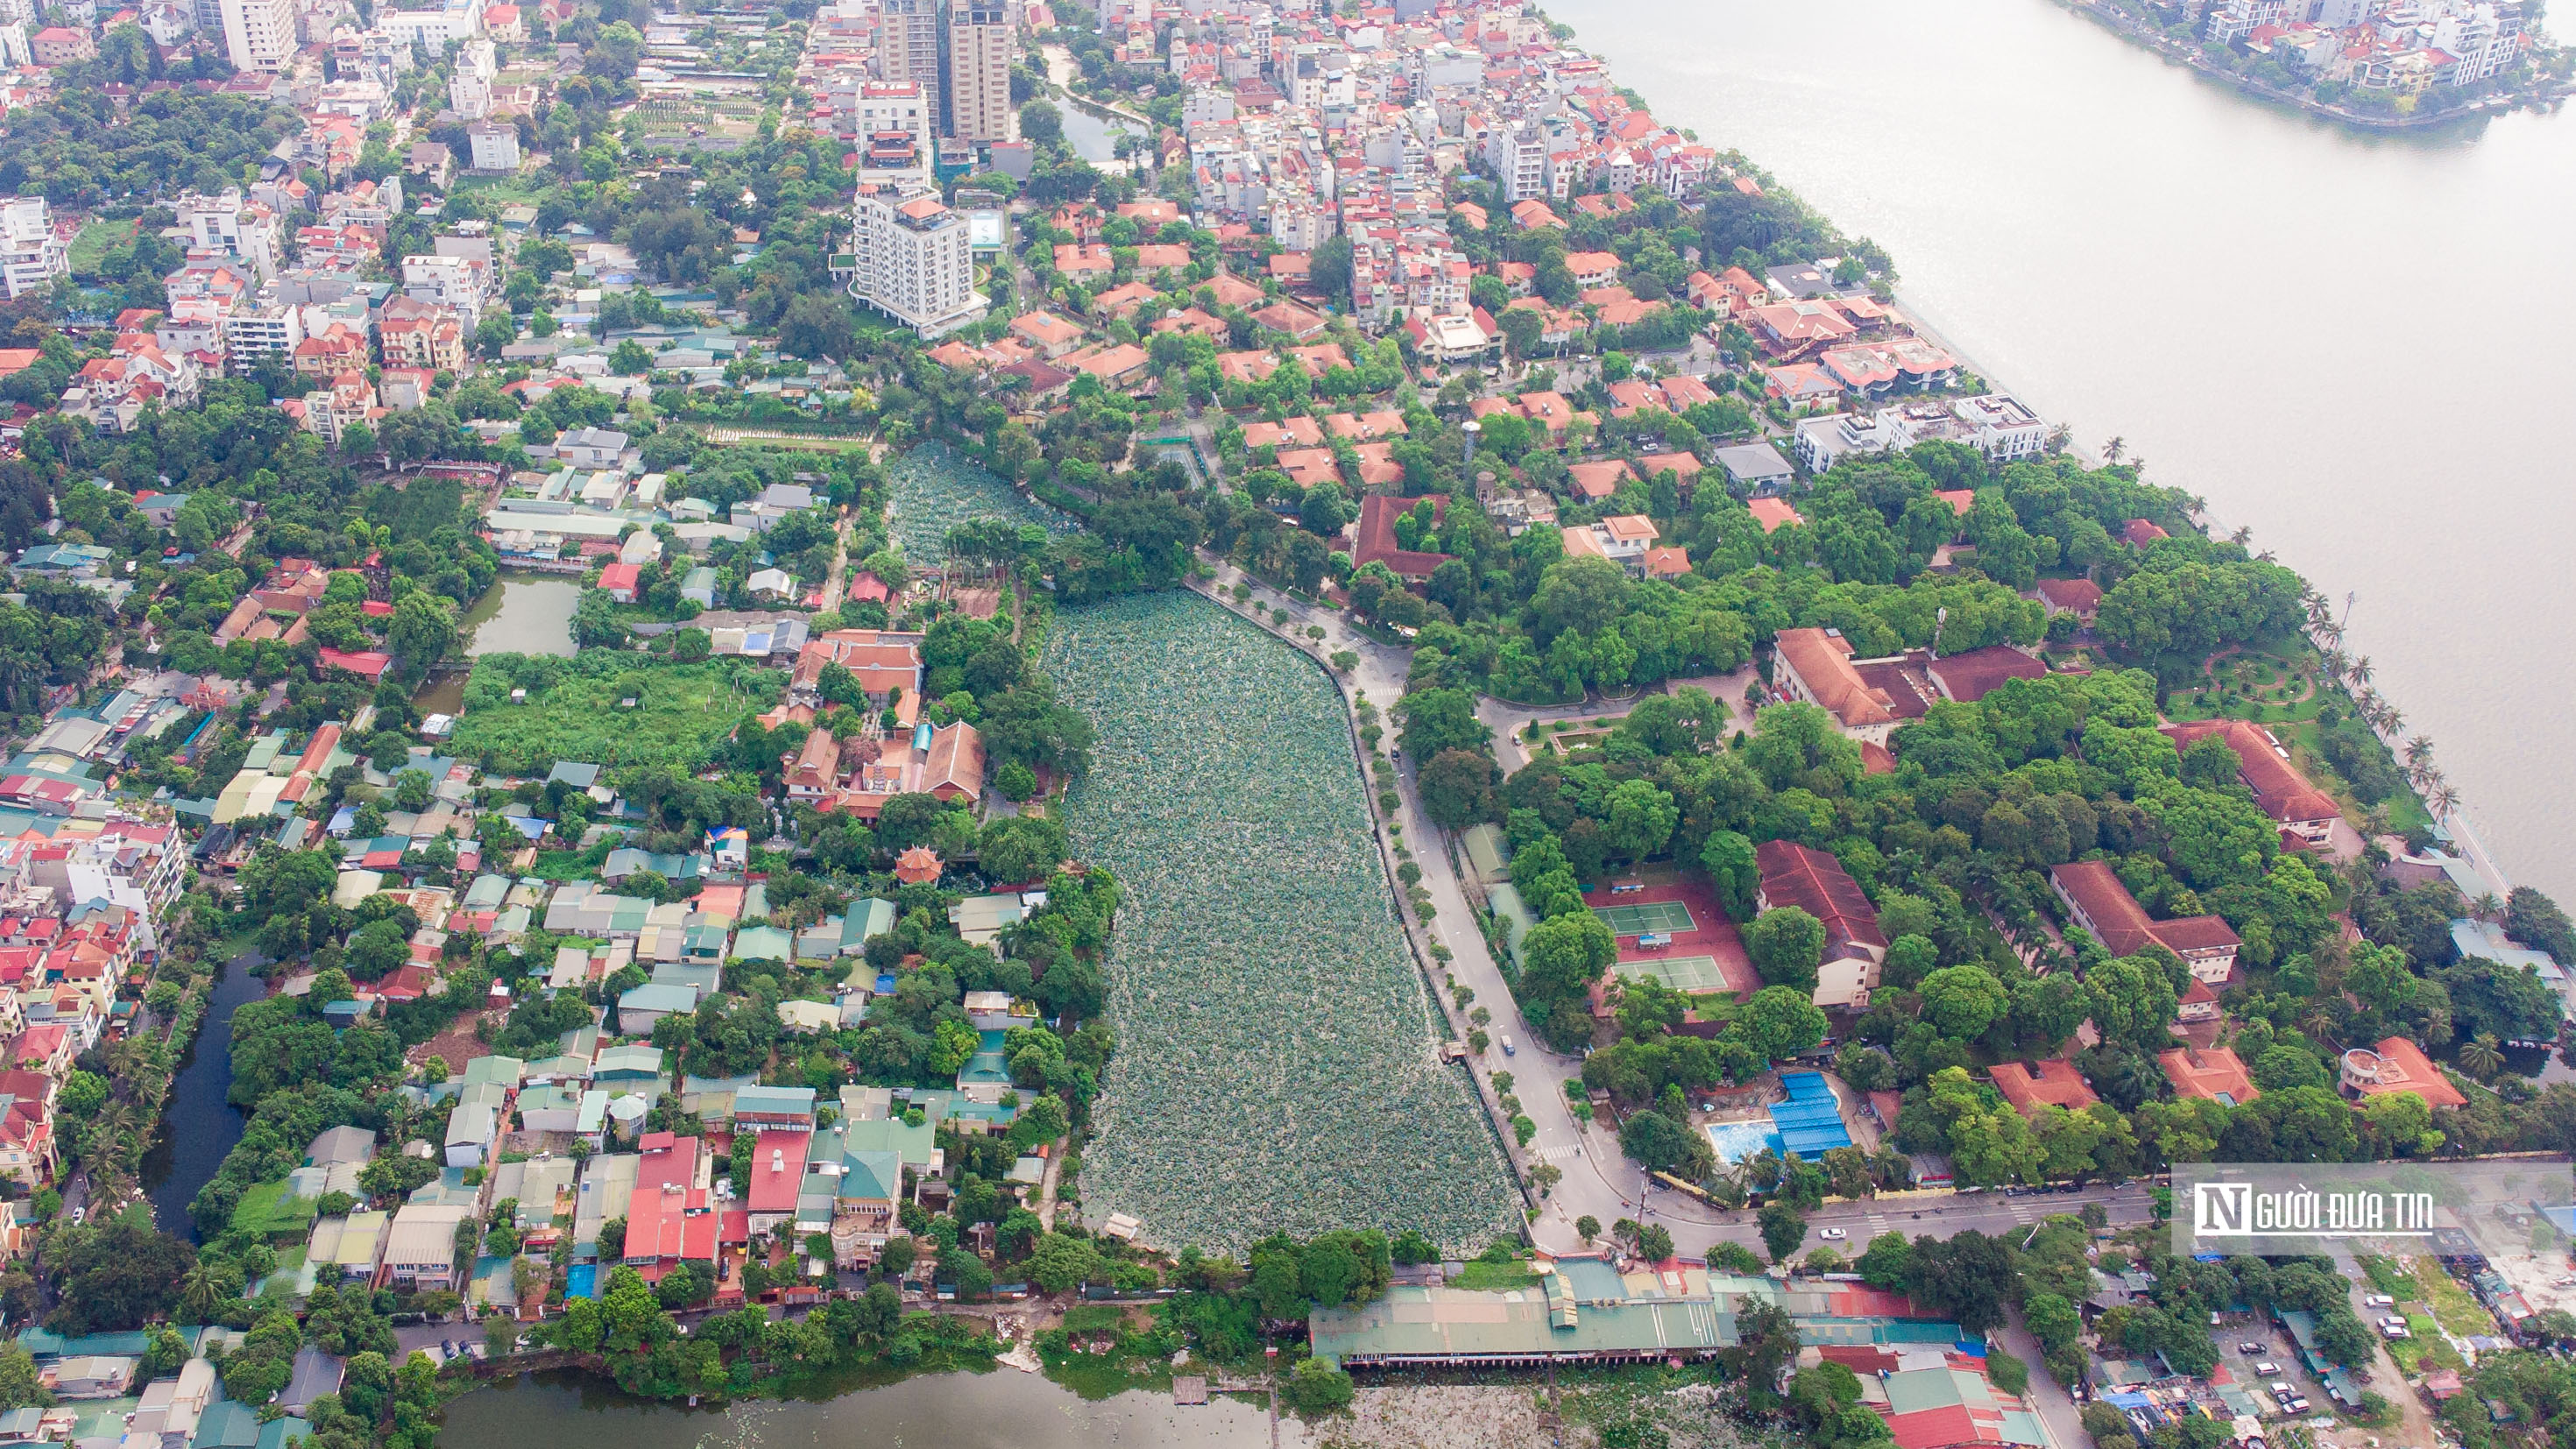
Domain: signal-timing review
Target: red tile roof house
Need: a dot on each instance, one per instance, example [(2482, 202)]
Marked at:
[(1815, 666), (2080, 597), (2398, 1065), (777, 1173), (2211, 1072), (2198, 1004), (2283, 793), (27, 1127), (2052, 1083), (1377, 539), (2097, 901), (1972, 676), (1814, 882), (1598, 480), (620, 579), (816, 771)]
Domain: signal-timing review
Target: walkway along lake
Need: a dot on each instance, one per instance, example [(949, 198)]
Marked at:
[(2142, 252)]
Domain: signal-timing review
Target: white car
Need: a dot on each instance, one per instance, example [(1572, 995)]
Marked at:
[(2392, 1321), (1833, 1235), (2379, 1300), (2267, 1368)]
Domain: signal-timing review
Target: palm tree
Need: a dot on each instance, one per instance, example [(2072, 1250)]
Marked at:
[(2487, 908), (2418, 749), (2482, 1056), (2361, 670), (2442, 799), (200, 1292), (2241, 536), (2330, 660), (2112, 450)]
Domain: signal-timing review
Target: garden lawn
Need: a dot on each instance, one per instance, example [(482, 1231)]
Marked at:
[(1480, 1276), (2427, 1349), (1276, 1067), (935, 490), (2405, 810), (2451, 1303), (95, 241), (266, 1211), (573, 710)]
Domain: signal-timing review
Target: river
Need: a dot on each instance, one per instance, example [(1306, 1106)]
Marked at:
[(200, 1126), (999, 1410), (2312, 329)]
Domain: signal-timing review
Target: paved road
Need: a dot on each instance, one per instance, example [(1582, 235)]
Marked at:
[(2057, 1412)]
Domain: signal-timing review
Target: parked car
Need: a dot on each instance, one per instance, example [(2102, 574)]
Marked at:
[(2267, 1368), (2250, 1347), (2379, 1300)]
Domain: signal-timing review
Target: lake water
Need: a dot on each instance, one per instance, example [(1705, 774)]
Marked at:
[(2319, 332), (200, 1127), (1093, 139), (523, 614), (1000, 1410)]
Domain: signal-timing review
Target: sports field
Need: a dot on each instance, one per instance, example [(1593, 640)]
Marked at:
[(1690, 975), (1638, 918)]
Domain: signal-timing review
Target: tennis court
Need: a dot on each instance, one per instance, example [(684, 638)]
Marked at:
[(1690, 975), (1640, 917)]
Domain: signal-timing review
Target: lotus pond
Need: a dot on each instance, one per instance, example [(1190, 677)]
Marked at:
[(935, 490), (1277, 1066)]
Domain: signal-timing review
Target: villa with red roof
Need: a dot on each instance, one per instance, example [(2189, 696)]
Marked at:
[(2211, 1072), (2052, 1083), (2398, 1065), (1377, 543), (2301, 808), (2097, 901), (1814, 882)]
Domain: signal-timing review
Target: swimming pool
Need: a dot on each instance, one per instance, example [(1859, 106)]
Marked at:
[(1736, 1141)]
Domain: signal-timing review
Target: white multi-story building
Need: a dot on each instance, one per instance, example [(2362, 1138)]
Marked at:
[(469, 94), (31, 256), (259, 35), (2483, 40), (228, 225), (259, 327), (913, 260), (448, 281), (980, 44), (434, 30), (1518, 155), (896, 127), (1996, 424), (496, 145)]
